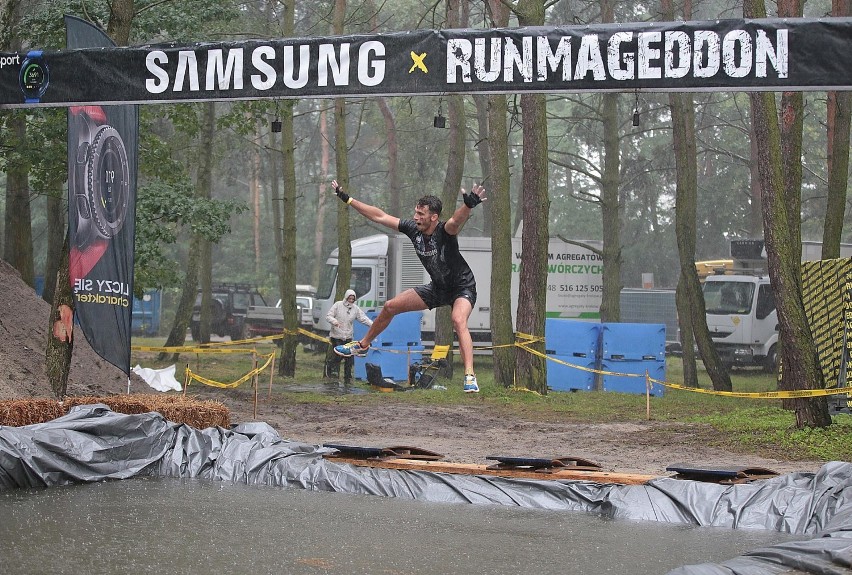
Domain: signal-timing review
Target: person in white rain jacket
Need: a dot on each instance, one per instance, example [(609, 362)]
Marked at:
[(342, 316)]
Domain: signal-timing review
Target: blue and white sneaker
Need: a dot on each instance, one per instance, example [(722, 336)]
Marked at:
[(470, 385), (351, 349)]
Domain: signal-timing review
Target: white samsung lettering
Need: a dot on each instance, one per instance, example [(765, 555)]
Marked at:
[(220, 73), (266, 77), (371, 64), (187, 66), (291, 81), (160, 82), (328, 62), (227, 69)]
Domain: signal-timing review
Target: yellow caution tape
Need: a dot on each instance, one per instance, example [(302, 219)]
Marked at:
[(212, 383), (188, 349), (798, 393)]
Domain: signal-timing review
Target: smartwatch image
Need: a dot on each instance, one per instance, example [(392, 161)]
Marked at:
[(100, 178), (34, 77)]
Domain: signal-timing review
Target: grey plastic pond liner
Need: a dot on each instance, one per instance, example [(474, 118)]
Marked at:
[(93, 443)]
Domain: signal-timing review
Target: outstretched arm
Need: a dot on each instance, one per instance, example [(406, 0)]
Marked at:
[(456, 222), (372, 213)]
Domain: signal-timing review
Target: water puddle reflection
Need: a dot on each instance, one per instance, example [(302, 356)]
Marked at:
[(148, 525)]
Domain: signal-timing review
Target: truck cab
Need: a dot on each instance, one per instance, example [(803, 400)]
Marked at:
[(368, 279), (742, 320)]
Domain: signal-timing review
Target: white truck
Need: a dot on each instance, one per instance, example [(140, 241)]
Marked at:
[(740, 306), (384, 265)]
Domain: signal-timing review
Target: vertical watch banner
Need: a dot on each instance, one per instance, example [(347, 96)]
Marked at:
[(102, 163)]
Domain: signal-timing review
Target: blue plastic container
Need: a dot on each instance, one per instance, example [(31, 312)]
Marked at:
[(628, 384), (403, 330), (568, 378), (633, 341), (572, 337)]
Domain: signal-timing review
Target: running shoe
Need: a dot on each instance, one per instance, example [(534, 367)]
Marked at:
[(470, 385), (351, 349)]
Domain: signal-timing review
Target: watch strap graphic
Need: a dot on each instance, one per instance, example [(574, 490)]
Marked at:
[(99, 179)]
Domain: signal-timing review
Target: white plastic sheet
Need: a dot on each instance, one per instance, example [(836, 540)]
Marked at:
[(160, 379)]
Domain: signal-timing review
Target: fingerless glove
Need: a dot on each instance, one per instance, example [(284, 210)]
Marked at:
[(344, 197), (471, 200)]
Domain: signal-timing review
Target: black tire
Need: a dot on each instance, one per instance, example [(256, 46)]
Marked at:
[(239, 332), (770, 363)]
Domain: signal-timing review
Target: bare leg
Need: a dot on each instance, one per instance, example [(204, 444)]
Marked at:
[(461, 313), (406, 301)]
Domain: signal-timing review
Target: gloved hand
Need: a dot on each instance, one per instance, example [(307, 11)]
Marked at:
[(475, 197), (344, 197), (471, 200)]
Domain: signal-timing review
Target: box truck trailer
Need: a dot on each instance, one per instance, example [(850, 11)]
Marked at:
[(740, 305), (384, 265)]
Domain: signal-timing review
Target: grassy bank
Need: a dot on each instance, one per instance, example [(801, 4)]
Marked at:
[(757, 426)]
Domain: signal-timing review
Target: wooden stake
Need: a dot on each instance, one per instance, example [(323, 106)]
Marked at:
[(255, 388), (271, 373), (648, 395), (186, 379)]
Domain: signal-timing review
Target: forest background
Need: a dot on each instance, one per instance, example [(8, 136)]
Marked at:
[(222, 196)]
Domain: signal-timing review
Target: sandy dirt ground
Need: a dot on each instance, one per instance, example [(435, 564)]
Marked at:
[(467, 433), (472, 433)]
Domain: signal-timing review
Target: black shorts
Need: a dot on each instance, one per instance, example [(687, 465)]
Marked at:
[(434, 297)]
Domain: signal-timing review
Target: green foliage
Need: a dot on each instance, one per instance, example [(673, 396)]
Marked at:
[(162, 211)]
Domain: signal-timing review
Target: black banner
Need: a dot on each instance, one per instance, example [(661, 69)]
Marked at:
[(733, 55), (102, 151)]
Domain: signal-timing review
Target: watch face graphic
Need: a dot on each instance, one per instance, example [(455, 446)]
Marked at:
[(34, 77), (101, 176)]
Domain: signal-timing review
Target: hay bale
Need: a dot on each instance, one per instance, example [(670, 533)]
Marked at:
[(19, 412), (176, 408)]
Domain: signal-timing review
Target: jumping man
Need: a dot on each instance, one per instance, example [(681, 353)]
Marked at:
[(437, 246)]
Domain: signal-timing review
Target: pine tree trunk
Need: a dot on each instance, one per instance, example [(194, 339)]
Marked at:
[(344, 236), (839, 111), (322, 200), (60, 340), (286, 219), (800, 363), (498, 184), (611, 213), (56, 223), (690, 300), (532, 293), (287, 257)]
